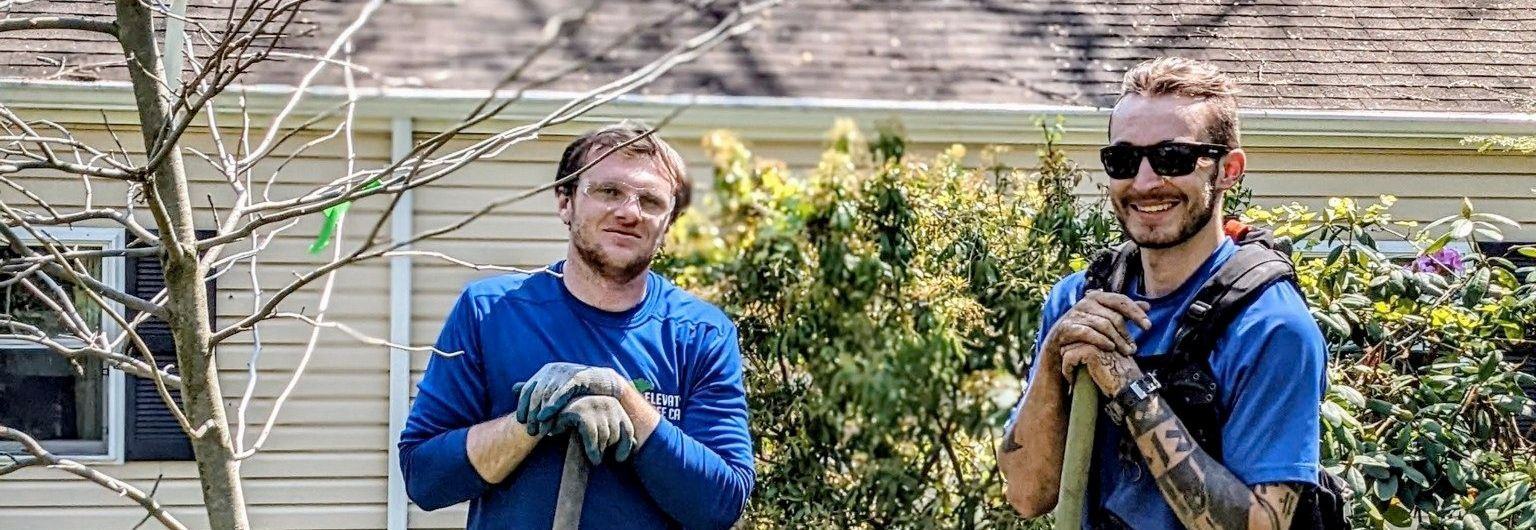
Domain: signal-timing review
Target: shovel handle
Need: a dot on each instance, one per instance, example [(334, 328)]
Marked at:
[(1079, 452), (573, 486)]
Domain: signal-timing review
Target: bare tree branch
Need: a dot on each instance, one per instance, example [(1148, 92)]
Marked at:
[(336, 45), (462, 263), (122, 218), (360, 336), (359, 255), (152, 490), (41, 457), (80, 24), (399, 175), (67, 167), (25, 134)]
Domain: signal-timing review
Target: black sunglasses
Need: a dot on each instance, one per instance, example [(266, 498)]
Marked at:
[(1169, 159)]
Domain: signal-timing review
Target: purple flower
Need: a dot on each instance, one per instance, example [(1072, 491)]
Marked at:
[(1446, 259)]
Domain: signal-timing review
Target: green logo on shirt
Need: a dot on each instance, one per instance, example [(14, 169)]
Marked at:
[(642, 385)]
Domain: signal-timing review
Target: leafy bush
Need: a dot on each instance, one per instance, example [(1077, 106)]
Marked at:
[(887, 303), (1420, 416)]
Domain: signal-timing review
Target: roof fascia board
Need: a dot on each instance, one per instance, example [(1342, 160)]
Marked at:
[(800, 118)]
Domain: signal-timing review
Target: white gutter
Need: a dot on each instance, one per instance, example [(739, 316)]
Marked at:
[(175, 42), (794, 118), (400, 227), (463, 96)]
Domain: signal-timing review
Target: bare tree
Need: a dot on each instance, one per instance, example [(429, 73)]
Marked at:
[(158, 207)]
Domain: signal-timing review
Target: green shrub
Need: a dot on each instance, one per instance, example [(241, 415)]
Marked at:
[(1420, 418)]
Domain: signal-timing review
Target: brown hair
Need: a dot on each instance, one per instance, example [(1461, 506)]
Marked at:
[(601, 140), (1177, 76)]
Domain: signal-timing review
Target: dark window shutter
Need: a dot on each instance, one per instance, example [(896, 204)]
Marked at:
[(152, 432)]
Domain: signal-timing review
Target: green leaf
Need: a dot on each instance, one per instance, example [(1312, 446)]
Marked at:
[(1529, 252), (1491, 234), (1477, 287), (1333, 255), (1415, 476), (1440, 221), (1500, 219), (1384, 489), (1471, 522), (1355, 479), (1350, 394), (1461, 228), (1354, 301), (1438, 244), (1332, 414), (1365, 239), (1456, 475), (1398, 516), (1528, 520), (1334, 323)]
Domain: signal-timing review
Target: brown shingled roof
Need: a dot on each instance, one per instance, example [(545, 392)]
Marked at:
[(1436, 55)]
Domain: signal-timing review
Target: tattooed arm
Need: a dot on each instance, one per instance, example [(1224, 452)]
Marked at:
[(1202, 492), (1030, 455), (1031, 451)]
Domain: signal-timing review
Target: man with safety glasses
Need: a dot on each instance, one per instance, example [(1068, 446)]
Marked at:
[(598, 346), (1173, 151)]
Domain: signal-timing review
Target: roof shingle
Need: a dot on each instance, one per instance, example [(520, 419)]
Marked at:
[(1437, 55)]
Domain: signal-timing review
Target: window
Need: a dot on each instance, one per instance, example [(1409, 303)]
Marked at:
[(73, 408), (1395, 250)]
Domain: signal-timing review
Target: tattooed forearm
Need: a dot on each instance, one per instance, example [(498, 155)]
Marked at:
[(1201, 491)]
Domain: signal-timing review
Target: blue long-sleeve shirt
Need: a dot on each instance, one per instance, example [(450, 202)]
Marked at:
[(695, 470)]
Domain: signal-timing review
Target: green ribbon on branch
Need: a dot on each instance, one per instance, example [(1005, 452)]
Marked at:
[(332, 218)]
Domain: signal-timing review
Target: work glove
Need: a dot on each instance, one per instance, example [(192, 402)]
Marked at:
[(541, 397), (602, 424)]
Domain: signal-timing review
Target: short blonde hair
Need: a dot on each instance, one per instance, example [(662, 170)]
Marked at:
[(1177, 76)]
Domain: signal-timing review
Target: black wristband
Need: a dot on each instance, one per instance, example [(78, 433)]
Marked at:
[(1130, 396)]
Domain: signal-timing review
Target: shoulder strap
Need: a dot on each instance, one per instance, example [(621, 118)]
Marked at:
[(1109, 271), (1244, 276)]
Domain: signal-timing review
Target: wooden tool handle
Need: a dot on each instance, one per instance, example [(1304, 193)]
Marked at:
[(573, 486), (1079, 452)]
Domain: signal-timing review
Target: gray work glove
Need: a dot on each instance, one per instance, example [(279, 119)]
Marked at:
[(541, 397), (601, 423)]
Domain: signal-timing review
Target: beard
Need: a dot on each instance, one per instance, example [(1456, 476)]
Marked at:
[(1199, 213), (608, 266)]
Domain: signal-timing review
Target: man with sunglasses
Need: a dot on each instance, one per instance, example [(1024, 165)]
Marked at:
[(597, 346), (1173, 151)]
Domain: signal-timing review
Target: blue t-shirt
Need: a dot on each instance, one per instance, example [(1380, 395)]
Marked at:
[(696, 469), (1271, 368)]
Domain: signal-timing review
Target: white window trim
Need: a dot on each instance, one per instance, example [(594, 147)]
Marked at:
[(114, 275), (1392, 248)]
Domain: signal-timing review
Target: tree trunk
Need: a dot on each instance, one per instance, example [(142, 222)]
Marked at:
[(187, 304)]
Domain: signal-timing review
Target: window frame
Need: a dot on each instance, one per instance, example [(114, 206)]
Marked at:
[(1391, 248), (113, 406)]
